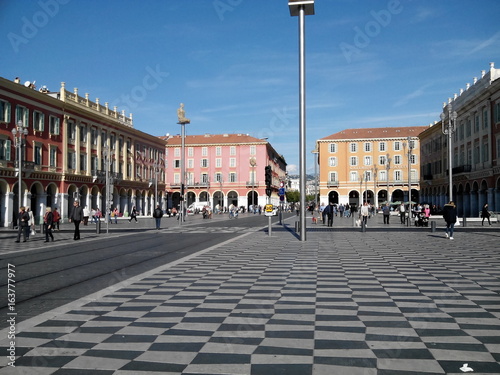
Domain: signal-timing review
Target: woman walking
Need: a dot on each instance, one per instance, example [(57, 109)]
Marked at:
[(485, 214), (48, 222)]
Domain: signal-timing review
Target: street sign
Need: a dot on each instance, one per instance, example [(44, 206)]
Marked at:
[(269, 208), (281, 191), (282, 198)]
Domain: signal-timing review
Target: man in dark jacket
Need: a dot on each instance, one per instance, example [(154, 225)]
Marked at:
[(450, 217), (158, 214), (76, 217), (48, 222), (23, 225)]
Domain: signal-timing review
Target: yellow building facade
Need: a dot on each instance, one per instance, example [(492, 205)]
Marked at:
[(371, 164)]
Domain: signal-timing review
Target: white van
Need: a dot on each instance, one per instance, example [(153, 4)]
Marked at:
[(196, 207)]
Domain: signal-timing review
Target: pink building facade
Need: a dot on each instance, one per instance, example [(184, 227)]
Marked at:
[(222, 169)]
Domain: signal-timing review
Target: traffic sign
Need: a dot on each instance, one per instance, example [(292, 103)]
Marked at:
[(281, 191)]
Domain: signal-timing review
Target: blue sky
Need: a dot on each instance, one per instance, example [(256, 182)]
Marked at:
[(234, 63)]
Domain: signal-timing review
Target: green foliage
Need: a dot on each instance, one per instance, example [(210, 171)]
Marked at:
[(292, 196)]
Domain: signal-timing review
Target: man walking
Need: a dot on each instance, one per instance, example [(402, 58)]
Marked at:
[(76, 217), (23, 224), (158, 214), (386, 210)]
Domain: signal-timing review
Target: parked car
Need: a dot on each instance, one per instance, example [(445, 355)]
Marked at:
[(196, 207)]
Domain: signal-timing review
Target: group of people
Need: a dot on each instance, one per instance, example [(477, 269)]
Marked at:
[(26, 223)]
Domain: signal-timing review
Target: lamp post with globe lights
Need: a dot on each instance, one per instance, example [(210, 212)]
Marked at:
[(448, 129), (18, 132)]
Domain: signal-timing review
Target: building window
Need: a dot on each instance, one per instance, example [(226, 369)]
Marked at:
[(232, 150), (112, 141), (368, 147), (53, 157), (333, 148), (485, 156), (37, 154), (218, 163), (414, 175), (485, 119), (71, 130), (177, 151), (38, 119), (332, 161), (83, 133), (232, 177), (368, 175), (93, 136), (368, 160), (94, 164), (5, 145), (177, 178), (71, 160), (83, 162), (468, 129), (413, 159), (191, 151), (4, 111), (218, 151), (204, 151), (232, 162), (204, 178), (353, 147), (397, 175), (397, 159), (204, 163), (177, 163), (382, 159), (218, 177), (190, 163), (22, 114), (397, 146), (382, 176), (332, 176), (354, 176), (353, 161), (381, 146), (54, 125), (253, 150)]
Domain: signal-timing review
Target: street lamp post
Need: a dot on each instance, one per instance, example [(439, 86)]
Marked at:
[(410, 148), (387, 167), (18, 133), (109, 194), (181, 115), (301, 8), (448, 130), (375, 196)]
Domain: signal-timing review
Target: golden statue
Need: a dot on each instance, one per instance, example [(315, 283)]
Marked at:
[(181, 115)]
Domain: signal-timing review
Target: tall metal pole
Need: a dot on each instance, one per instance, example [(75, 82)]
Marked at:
[(108, 213), (18, 133), (448, 130), (183, 173), (300, 8), (388, 167), (409, 180), (302, 115)]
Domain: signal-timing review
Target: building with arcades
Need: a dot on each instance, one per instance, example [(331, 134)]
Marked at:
[(66, 143), (475, 149), (222, 169)]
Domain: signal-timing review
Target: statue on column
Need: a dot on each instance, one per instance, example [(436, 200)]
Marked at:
[(181, 115)]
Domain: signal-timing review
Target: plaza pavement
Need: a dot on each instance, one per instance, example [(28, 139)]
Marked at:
[(390, 300)]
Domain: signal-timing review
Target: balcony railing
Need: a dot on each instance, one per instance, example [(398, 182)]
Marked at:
[(332, 183), (252, 183)]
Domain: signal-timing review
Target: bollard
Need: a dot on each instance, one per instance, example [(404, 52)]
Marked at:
[(297, 226), (363, 226), (42, 228), (98, 226), (433, 226), (464, 222)]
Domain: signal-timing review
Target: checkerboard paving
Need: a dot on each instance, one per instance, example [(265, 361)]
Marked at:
[(339, 303)]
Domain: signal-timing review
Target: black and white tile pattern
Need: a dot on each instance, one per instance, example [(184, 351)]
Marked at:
[(339, 303)]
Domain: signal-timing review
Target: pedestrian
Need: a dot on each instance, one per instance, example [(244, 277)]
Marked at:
[(31, 223), (329, 213), (93, 215), (48, 222), (76, 217), (386, 211), (116, 213), (23, 224), (485, 214), (86, 215), (450, 217), (158, 214), (133, 214), (402, 213), (57, 219), (364, 212)]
